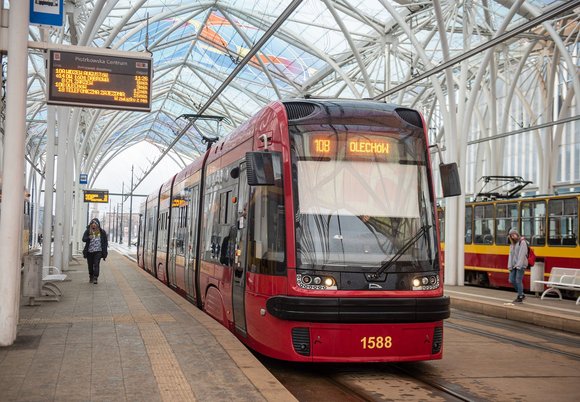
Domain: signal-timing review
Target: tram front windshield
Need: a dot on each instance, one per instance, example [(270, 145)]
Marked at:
[(361, 198)]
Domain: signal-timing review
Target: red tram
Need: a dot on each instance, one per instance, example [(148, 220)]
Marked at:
[(310, 232), (549, 223)]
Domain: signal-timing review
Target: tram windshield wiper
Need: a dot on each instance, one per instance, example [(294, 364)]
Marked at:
[(387, 264)]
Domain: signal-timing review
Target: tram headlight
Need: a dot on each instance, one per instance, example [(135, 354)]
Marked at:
[(315, 282), (426, 282), (329, 282)]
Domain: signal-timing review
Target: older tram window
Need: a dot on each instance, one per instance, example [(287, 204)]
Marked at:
[(534, 222), (483, 224), (563, 222), (468, 225), (506, 217)]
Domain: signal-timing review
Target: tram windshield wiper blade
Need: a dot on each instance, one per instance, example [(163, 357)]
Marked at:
[(387, 264)]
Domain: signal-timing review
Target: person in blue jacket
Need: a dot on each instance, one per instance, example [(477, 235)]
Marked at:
[(96, 247)]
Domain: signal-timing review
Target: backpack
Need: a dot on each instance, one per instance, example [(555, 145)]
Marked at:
[(531, 255)]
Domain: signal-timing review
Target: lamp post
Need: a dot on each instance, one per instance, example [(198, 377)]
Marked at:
[(130, 208), (122, 202), (117, 222)]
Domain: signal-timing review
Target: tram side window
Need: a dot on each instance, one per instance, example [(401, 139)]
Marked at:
[(225, 197), (179, 217), (192, 224), (506, 217), (266, 230), (534, 222), (163, 224), (210, 244), (151, 228), (468, 225), (563, 222), (483, 224), (218, 214), (441, 216)]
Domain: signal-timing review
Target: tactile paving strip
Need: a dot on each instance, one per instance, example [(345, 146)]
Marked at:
[(171, 381)]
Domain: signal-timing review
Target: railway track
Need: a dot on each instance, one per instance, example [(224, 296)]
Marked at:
[(435, 380), (562, 342), (363, 382)]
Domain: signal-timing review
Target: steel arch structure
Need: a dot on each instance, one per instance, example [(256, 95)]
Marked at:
[(510, 108)]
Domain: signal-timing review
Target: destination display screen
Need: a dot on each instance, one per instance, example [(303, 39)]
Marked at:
[(94, 80), (351, 146), (101, 196)]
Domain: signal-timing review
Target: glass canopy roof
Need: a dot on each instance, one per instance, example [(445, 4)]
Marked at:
[(327, 48)]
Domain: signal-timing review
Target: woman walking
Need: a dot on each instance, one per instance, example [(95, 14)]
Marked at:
[(96, 245)]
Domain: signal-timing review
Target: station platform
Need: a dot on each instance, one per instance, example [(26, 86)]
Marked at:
[(551, 312), (130, 338), (127, 338)]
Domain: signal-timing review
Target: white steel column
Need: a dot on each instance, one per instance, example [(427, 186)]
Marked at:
[(13, 172), (80, 211), (62, 117), (72, 129), (68, 199), (48, 185)]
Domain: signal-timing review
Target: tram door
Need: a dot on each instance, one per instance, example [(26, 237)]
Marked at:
[(191, 250), (240, 259), (155, 228)]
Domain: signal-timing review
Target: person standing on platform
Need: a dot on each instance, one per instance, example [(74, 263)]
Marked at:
[(517, 263), (96, 247)]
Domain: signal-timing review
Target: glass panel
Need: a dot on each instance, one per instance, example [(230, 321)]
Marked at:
[(468, 225), (441, 216), (563, 222), (361, 196), (193, 223), (506, 218), (483, 223), (266, 226), (534, 222)]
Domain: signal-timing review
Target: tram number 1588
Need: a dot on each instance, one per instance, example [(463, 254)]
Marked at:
[(377, 342)]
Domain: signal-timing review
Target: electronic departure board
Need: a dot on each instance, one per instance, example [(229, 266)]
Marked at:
[(96, 196), (95, 80)]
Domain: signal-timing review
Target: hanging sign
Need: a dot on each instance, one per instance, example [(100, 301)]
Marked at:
[(100, 196), (46, 12), (99, 80)]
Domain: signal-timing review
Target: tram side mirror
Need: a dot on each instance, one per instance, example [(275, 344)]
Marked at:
[(450, 179), (260, 168)]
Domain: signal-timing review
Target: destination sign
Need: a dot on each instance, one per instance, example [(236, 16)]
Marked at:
[(352, 146), (95, 80), (363, 146), (100, 196)]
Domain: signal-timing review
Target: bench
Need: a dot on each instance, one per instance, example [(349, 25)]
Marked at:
[(52, 274), (562, 278)]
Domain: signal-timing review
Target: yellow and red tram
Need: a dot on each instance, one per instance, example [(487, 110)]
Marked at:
[(549, 223)]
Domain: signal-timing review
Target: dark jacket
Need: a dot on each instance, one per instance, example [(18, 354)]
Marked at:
[(104, 240)]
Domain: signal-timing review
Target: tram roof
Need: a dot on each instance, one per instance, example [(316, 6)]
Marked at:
[(329, 48)]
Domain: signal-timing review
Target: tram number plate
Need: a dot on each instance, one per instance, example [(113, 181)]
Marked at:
[(376, 342)]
